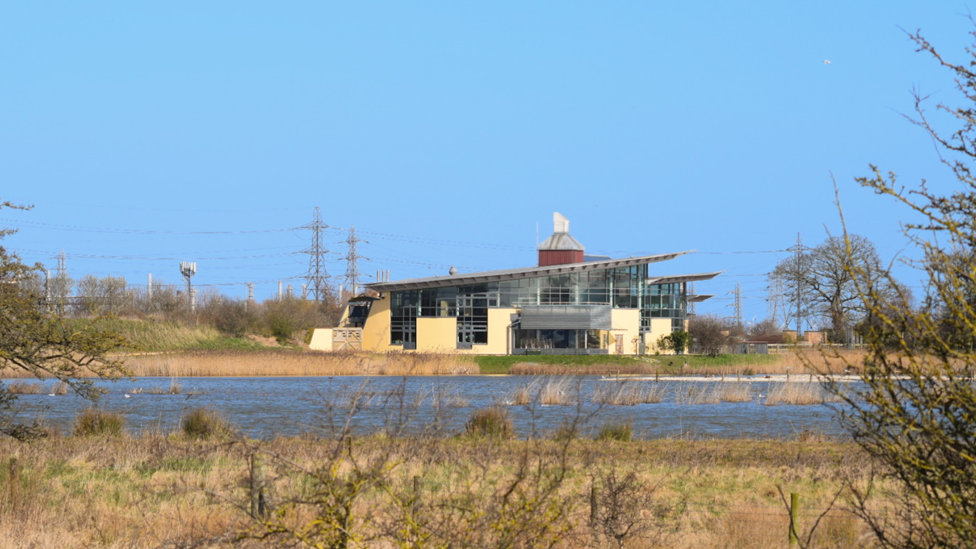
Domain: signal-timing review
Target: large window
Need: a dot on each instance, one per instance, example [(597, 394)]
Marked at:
[(403, 318), (472, 313), (559, 339), (664, 301)]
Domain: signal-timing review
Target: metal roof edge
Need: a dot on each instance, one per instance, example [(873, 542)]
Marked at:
[(525, 272)]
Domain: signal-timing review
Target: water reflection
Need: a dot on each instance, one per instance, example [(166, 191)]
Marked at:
[(268, 407)]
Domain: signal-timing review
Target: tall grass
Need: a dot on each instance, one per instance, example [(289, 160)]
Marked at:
[(95, 422), (204, 424), (155, 491)]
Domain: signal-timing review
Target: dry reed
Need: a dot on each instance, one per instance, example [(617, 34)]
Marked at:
[(24, 388), (798, 394), (698, 393), (275, 362), (552, 391), (627, 394), (734, 391)]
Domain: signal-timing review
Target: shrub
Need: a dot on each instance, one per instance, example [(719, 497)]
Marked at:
[(94, 422), (490, 422), (204, 423)]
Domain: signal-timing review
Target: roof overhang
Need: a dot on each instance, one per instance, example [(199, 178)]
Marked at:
[(683, 278), (532, 272), (699, 298)]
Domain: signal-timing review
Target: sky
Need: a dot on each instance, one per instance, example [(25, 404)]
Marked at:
[(447, 133)]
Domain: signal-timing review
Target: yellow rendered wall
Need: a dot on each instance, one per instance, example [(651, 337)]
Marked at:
[(437, 334), (625, 322), (659, 327), (376, 332), (321, 339), (499, 321)]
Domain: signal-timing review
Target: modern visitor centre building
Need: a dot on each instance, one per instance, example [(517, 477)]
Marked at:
[(570, 303)]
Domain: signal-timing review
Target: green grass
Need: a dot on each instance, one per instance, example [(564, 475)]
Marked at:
[(667, 364), (501, 364)]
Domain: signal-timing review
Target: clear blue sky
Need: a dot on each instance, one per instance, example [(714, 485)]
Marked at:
[(149, 133)]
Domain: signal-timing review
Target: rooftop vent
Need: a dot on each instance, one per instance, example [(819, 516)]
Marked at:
[(560, 248)]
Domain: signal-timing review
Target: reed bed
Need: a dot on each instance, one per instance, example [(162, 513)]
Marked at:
[(798, 394), (628, 394), (699, 393), (24, 388), (734, 391), (175, 490), (551, 391), (275, 362)]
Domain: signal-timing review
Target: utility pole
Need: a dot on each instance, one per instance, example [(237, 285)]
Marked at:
[(736, 305), (352, 268), (692, 292), (47, 288), (317, 275), (61, 285), (798, 278), (188, 269)]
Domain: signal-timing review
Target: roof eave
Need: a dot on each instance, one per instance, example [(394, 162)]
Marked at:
[(527, 272)]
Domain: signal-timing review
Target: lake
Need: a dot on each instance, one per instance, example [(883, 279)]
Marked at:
[(266, 407)]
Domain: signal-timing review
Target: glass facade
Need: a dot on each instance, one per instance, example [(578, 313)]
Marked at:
[(624, 287)]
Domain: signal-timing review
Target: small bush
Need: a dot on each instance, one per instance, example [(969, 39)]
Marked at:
[(490, 422), (624, 432), (203, 424), (94, 422)]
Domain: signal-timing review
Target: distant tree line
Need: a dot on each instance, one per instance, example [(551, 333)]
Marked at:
[(283, 318)]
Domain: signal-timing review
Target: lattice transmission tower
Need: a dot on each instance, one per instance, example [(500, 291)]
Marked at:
[(317, 276), (352, 262)]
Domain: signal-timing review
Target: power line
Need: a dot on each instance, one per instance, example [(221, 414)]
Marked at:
[(76, 228)]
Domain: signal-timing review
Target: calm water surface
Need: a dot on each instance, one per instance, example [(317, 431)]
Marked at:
[(267, 407)]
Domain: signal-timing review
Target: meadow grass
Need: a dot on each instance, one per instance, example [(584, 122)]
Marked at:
[(161, 490)]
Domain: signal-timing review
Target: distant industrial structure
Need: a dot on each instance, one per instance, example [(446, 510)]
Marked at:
[(570, 303)]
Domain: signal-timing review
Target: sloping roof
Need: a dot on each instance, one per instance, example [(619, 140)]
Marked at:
[(561, 241), (530, 272)]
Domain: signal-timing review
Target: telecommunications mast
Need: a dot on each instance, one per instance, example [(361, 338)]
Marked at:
[(188, 269)]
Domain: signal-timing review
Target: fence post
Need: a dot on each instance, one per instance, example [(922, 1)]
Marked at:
[(416, 492), (594, 513), (794, 507), (13, 482), (259, 503)]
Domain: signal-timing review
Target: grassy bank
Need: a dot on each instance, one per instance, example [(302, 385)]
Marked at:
[(161, 336), (170, 490)]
